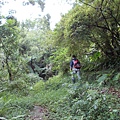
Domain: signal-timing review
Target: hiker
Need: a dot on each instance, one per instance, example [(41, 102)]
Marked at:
[(75, 68)]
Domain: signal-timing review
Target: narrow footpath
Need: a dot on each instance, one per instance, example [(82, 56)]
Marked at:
[(39, 113)]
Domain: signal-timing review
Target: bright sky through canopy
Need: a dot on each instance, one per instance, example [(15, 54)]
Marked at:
[(53, 7)]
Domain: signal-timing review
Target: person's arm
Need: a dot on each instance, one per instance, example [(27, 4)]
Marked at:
[(71, 65)]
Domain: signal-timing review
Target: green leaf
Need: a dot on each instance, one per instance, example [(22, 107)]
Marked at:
[(116, 77), (19, 116), (2, 118), (102, 78)]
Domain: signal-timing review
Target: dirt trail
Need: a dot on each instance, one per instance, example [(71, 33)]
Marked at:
[(39, 113)]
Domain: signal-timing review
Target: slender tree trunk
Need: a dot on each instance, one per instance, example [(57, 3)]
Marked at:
[(8, 69)]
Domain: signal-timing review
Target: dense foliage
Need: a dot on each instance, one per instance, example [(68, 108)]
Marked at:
[(91, 30), (34, 63)]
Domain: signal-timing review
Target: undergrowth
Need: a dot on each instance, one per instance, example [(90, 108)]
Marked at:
[(87, 99)]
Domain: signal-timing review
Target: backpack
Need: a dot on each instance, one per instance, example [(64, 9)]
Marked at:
[(76, 64)]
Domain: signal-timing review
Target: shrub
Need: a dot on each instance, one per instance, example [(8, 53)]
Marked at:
[(87, 103)]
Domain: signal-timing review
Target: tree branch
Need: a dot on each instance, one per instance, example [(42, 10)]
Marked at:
[(88, 4)]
